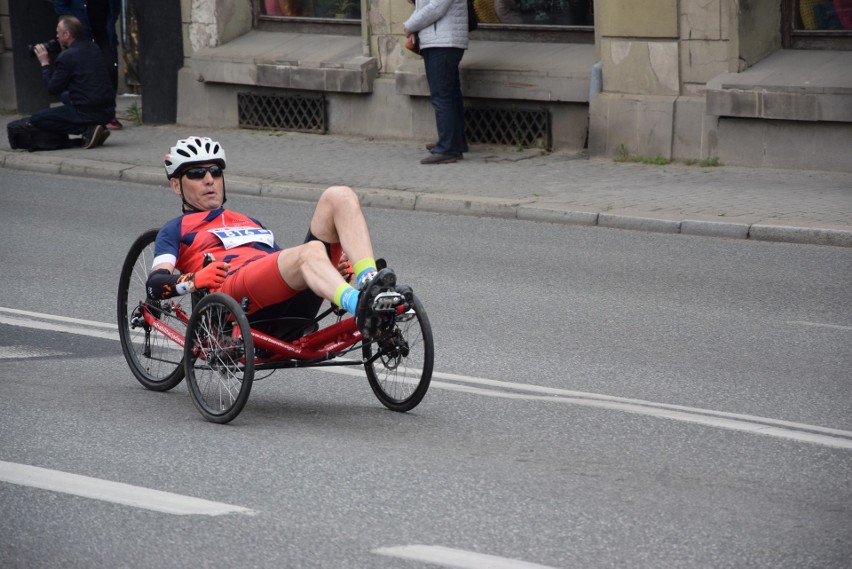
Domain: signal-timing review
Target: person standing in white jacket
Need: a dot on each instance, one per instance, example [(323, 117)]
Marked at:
[(442, 29)]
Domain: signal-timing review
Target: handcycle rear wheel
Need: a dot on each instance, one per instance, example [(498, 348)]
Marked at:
[(155, 360), (400, 375), (219, 358)]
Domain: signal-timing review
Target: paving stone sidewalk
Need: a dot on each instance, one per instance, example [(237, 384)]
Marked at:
[(768, 204)]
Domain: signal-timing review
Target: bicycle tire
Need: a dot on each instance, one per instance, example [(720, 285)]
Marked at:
[(155, 360), (400, 380), (219, 366)]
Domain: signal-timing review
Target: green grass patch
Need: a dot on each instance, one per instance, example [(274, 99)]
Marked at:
[(134, 114), (624, 156), (705, 163)]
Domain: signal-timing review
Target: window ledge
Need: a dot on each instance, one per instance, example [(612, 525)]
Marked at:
[(800, 85), (311, 62), (513, 70)]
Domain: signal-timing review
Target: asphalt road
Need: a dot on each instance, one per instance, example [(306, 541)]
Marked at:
[(602, 398)]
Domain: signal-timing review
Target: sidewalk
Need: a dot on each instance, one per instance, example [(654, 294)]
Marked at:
[(776, 205)]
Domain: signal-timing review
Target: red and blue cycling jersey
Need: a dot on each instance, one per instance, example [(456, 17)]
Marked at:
[(228, 235)]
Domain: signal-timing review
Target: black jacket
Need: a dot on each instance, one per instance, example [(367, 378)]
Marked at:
[(81, 71)]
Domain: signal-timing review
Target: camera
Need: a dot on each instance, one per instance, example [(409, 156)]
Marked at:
[(52, 47)]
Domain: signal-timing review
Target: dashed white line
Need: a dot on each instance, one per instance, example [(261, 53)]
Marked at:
[(457, 558), (820, 325), (26, 352), (41, 321), (115, 492)]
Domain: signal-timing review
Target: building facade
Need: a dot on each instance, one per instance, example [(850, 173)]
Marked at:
[(750, 82)]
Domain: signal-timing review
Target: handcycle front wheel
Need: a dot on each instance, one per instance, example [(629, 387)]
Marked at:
[(155, 360), (219, 358), (400, 374)]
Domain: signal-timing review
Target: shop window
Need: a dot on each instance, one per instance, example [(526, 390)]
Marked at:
[(322, 9), (817, 24), (536, 12), (491, 12), (824, 15)]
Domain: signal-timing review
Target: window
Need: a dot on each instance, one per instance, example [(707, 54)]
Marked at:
[(817, 24), (824, 15), (536, 12), (496, 12), (336, 9)]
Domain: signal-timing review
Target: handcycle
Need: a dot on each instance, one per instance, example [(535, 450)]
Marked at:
[(208, 339)]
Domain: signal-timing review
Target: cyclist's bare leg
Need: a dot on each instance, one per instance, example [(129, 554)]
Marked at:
[(338, 219), (308, 266)]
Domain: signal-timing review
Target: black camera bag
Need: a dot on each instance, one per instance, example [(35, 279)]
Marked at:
[(24, 136)]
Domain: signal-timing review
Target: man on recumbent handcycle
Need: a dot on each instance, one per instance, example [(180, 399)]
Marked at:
[(250, 265)]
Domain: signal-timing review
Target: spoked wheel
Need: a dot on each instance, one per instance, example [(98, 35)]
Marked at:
[(401, 373), (219, 358), (155, 360)]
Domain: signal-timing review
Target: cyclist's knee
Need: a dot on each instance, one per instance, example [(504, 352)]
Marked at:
[(340, 196), (312, 251)]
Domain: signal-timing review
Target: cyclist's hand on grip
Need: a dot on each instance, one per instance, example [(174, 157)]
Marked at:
[(344, 267), (212, 276)]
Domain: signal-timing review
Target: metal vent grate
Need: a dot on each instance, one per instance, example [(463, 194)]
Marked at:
[(300, 113), (514, 127)]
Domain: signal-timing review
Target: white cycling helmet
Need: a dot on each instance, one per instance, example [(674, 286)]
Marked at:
[(193, 150)]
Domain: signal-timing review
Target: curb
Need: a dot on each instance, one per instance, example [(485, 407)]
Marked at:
[(455, 204)]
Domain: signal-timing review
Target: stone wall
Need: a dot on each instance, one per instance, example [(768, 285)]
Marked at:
[(209, 23), (657, 57)]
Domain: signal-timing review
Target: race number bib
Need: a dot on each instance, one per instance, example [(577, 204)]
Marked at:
[(235, 236)]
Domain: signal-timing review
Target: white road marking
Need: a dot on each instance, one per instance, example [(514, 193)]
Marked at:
[(457, 558), (25, 352), (53, 323), (820, 325), (509, 390), (115, 492), (57, 318), (733, 421)]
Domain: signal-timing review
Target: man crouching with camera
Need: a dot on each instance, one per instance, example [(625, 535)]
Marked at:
[(80, 77)]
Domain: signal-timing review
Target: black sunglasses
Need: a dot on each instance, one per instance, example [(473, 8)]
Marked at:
[(199, 172)]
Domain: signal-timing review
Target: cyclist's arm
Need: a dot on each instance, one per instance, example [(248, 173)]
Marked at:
[(163, 282)]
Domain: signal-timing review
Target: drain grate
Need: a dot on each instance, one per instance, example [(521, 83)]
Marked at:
[(302, 113), (513, 127)]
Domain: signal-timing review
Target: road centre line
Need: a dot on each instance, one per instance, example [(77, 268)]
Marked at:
[(508, 390), (819, 325), (732, 421), (114, 492), (456, 558), (54, 323), (26, 352), (57, 318)]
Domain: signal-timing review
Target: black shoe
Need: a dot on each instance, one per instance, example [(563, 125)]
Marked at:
[(105, 132), (365, 314), (95, 136), (437, 158), (89, 137), (431, 147), (405, 291)]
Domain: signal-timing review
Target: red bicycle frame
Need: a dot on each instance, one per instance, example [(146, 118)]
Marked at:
[(322, 345)]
